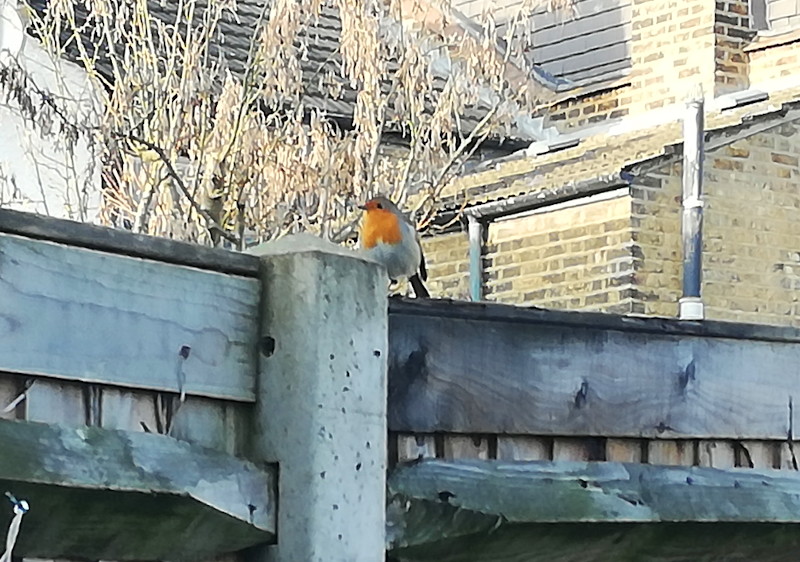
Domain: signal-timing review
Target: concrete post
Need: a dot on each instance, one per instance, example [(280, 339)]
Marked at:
[(321, 410)]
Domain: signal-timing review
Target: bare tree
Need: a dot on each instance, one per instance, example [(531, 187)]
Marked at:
[(202, 146)]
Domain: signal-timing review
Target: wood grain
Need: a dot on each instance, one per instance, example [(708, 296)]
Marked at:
[(716, 454), (504, 313), (90, 316), (758, 454), (413, 447), (524, 448), (578, 449), (465, 447), (553, 492), (465, 368), (129, 410), (624, 450), (10, 388), (214, 424), (671, 452), (789, 455), (103, 494), (485, 511), (122, 242), (53, 401)]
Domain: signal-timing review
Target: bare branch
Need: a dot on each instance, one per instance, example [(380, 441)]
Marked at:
[(176, 178)]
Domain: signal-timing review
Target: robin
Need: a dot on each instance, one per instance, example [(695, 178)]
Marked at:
[(389, 237)]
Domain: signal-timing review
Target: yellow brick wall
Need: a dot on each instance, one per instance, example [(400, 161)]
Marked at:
[(676, 47), (751, 233), (572, 258), (672, 50), (584, 110), (732, 30), (776, 61), (447, 258), (623, 254)]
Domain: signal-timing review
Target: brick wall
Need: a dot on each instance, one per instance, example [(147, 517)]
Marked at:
[(623, 254), (732, 32), (672, 50), (675, 46), (775, 60), (751, 260), (575, 258), (447, 258), (591, 109)]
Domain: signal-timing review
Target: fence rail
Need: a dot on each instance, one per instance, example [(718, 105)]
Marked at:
[(474, 368)]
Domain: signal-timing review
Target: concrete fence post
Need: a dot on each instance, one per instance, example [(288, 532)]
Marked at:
[(321, 399)]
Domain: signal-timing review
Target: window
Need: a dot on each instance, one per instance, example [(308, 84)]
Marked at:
[(775, 15)]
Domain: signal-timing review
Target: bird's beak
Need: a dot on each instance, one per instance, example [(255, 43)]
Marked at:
[(363, 206)]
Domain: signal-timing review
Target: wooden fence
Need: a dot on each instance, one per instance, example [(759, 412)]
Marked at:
[(197, 403), (176, 402), (527, 435)]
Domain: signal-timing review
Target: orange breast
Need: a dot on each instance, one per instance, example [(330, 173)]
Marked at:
[(380, 225)]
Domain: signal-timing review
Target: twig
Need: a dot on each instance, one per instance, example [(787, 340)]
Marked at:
[(463, 146), (339, 236), (182, 186)]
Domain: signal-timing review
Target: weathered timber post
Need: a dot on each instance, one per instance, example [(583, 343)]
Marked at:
[(321, 399)]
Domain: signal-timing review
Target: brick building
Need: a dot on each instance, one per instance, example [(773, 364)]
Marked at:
[(590, 219)]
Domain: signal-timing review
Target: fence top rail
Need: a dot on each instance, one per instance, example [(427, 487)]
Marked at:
[(122, 242), (511, 314)]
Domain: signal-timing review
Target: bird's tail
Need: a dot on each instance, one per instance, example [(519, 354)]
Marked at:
[(419, 287)]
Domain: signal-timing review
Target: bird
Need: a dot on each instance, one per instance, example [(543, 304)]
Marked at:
[(389, 237)]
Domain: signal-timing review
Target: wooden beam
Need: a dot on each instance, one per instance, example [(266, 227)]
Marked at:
[(492, 369), (96, 317), (123, 242), (480, 511), (504, 313), (116, 495)]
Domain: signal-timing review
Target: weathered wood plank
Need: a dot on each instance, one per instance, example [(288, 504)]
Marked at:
[(640, 542), (758, 454), (518, 315), (671, 452), (578, 449), (11, 387), (524, 448), (624, 450), (475, 368), (716, 454), (117, 241), (413, 447), (129, 410), (789, 455), (466, 447), (86, 315), (114, 495), (54, 401), (445, 511), (212, 423)]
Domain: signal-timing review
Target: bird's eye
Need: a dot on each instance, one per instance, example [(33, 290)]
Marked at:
[(380, 206)]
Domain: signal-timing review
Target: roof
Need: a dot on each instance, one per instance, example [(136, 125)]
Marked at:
[(607, 157), (322, 58)]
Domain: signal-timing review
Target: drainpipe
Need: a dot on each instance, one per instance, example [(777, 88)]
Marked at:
[(691, 304), (475, 258)]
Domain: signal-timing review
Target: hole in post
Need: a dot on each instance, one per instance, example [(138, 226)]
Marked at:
[(267, 346)]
